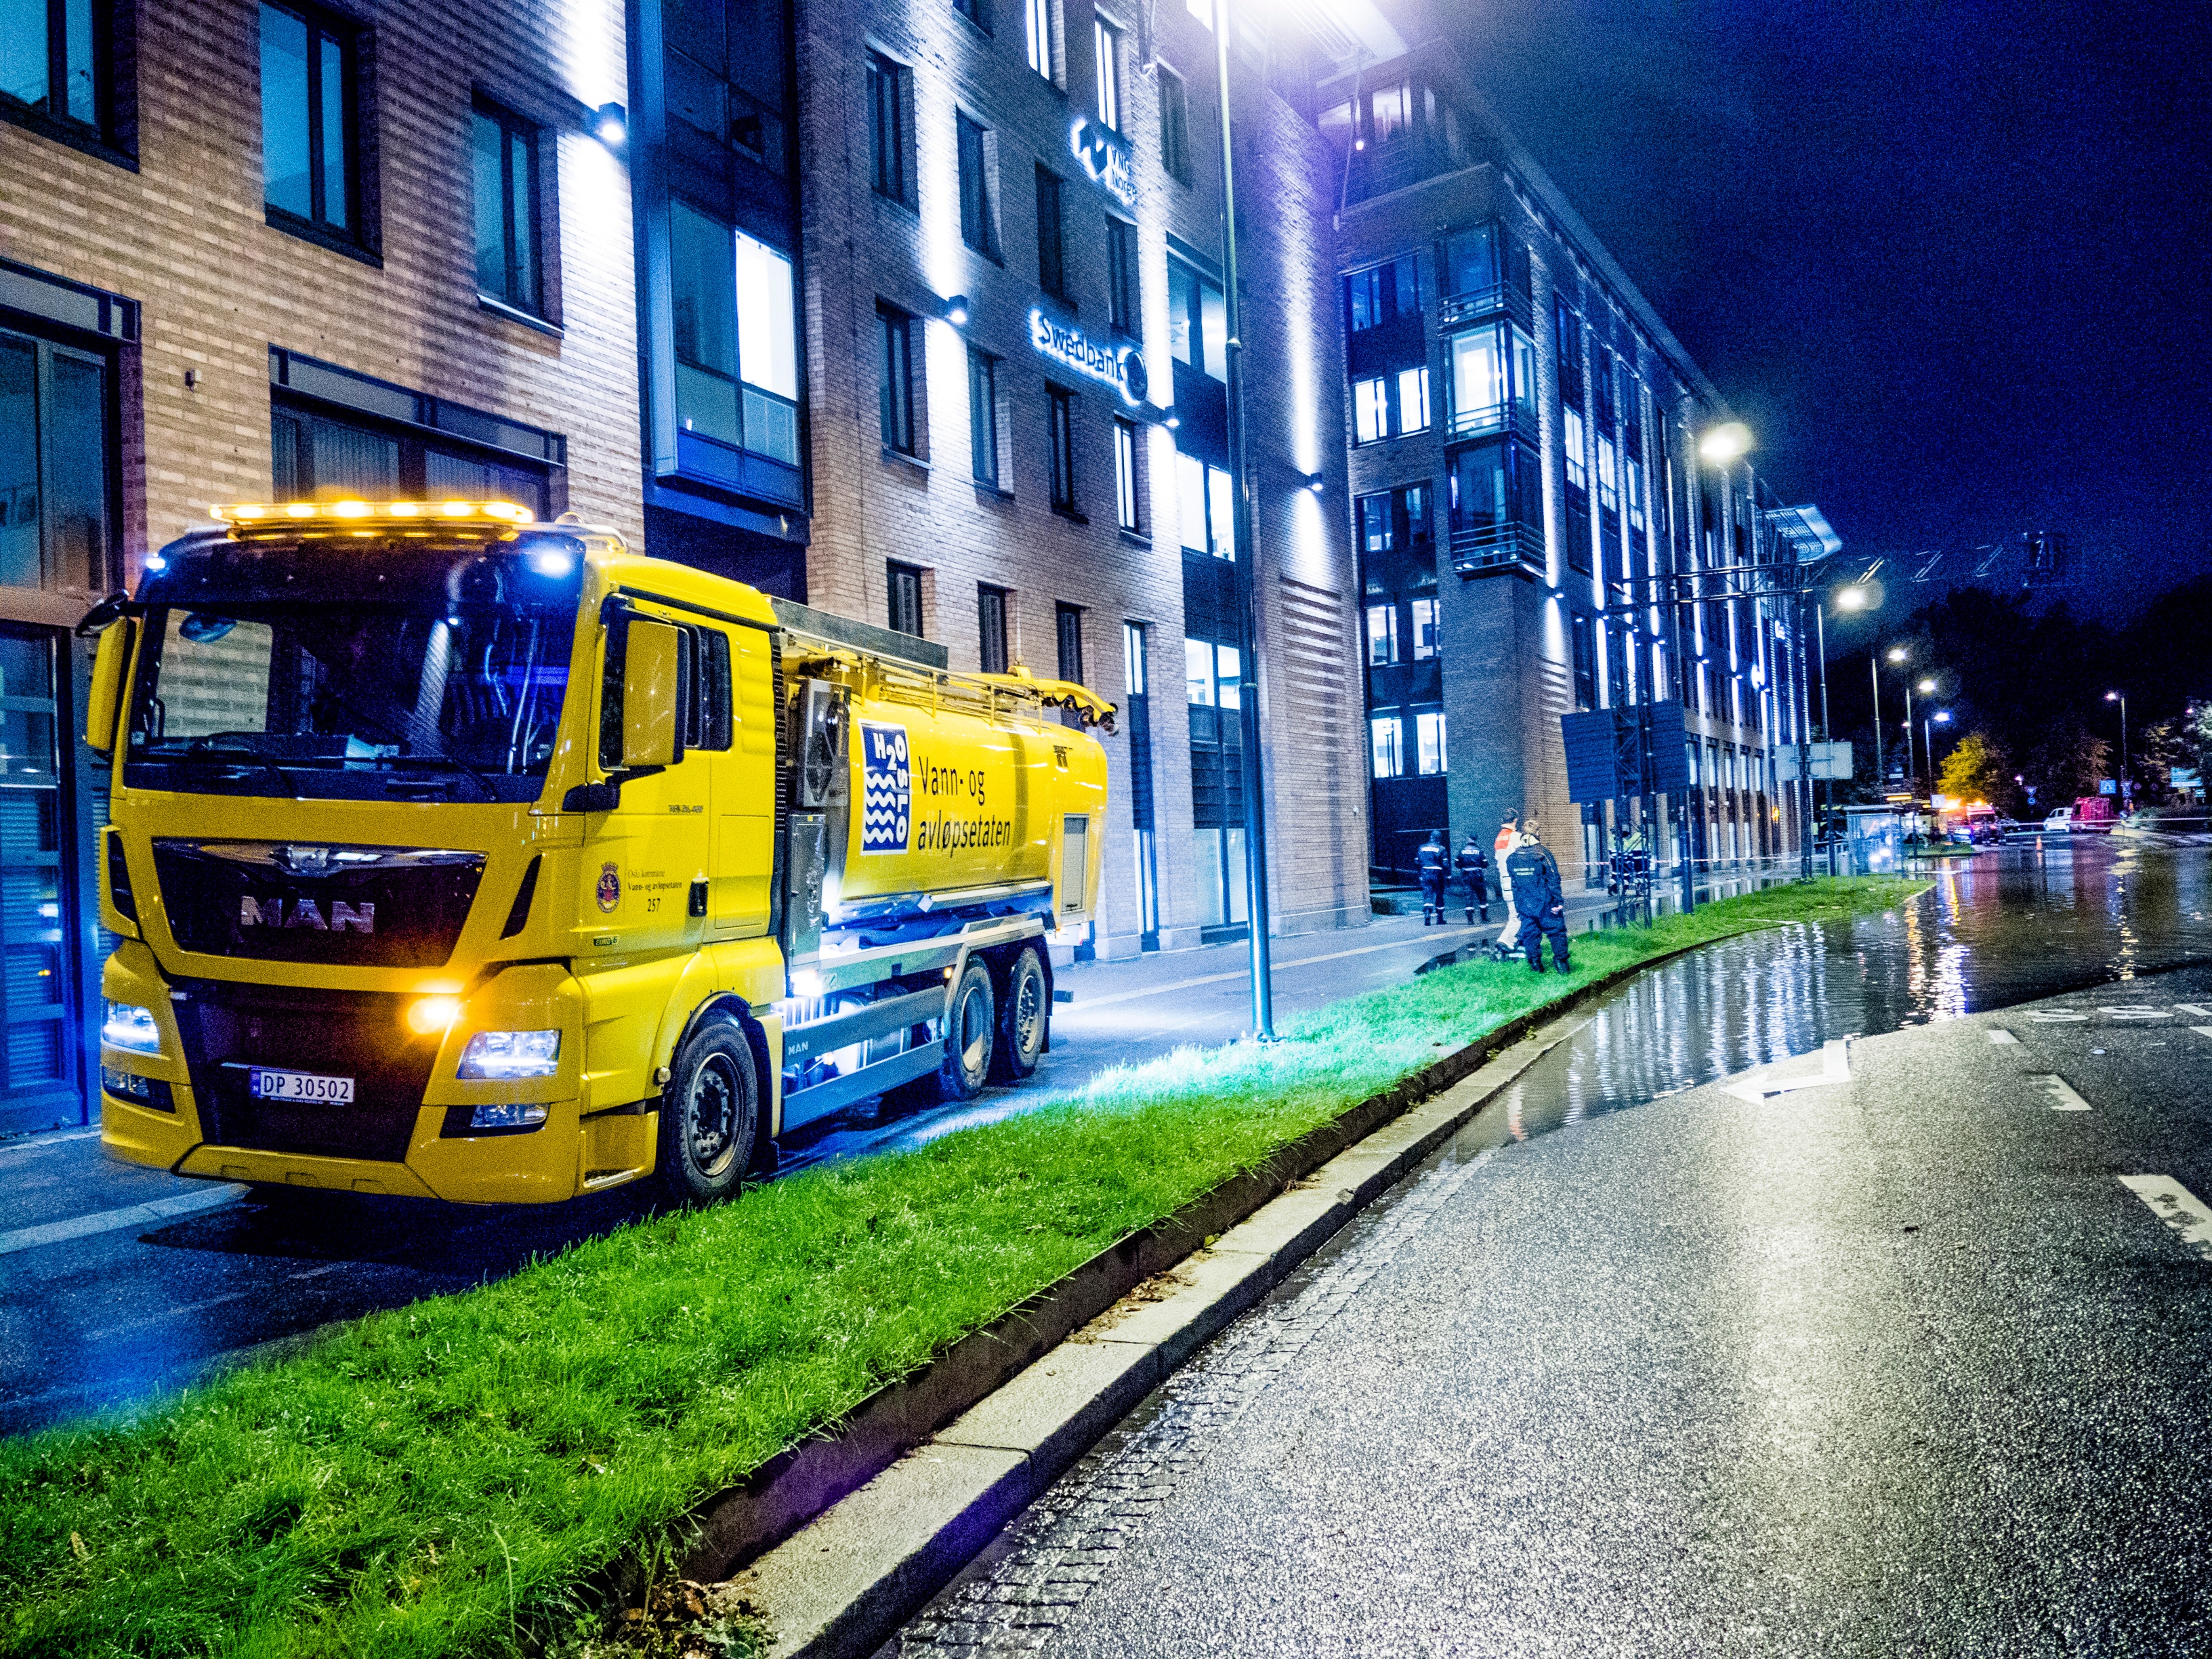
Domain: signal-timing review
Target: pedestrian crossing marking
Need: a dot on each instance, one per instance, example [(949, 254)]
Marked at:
[(2060, 1092), (2056, 1017), (2178, 1207), (2201, 1030), (2000, 1037), (2136, 1013), (2191, 1008)]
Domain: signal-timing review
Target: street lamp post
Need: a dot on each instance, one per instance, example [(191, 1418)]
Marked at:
[(1254, 791), (2121, 698), (1941, 717)]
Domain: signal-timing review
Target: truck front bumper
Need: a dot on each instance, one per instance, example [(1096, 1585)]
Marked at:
[(409, 1128)]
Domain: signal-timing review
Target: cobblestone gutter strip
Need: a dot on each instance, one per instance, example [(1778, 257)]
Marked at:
[(875, 1521)]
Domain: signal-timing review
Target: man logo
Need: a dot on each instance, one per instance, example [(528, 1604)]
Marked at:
[(306, 912)]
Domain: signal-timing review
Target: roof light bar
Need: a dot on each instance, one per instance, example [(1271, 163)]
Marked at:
[(251, 512)]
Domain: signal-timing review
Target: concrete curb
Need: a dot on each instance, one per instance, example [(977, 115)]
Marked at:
[(1043, 1383)]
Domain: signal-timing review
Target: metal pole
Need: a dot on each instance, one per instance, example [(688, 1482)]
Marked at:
[(1247, 549), (1873, 672), (1911, 770), (1804, 791), (1827, 731)]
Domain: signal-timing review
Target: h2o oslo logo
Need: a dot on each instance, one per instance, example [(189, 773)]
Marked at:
[(886, 789)]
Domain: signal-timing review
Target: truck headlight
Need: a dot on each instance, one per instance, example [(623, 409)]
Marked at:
[(501, 1055), (130, 1027), (506, 1117)]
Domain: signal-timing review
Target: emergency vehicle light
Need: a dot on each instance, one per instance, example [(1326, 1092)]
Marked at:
[(254, 512)]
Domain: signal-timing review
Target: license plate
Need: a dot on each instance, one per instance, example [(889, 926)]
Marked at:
[(264, 1083)]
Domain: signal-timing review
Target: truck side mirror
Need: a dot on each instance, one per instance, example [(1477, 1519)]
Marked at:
[(652, 694), (103, 707)]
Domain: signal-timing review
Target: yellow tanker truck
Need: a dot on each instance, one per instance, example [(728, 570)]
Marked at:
[(463, 856)]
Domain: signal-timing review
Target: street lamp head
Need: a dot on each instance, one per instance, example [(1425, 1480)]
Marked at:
[(1942, 716), (1851, 599), (2112, 696), (1725, 441), (1926, 686), (1897, 653)]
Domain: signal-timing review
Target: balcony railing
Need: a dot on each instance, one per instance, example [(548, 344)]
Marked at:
[(1499, 299), (1484, 419), (1512, 546)]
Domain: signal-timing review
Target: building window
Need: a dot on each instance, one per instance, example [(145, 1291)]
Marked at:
[(1567, 334), (991, 627), (977, 12), (1370, 410), (1175, 125), (724, 68), (1127, 498), (1122, 290), (890, 136), (1632, 485), (1039, 17), (1608, 475), (56, 74), (1387, 738), (736, 335), (1060, 414), (1575, 449), (1602, 397), (1493, 376), (1585, 663), (55, 531), (1413, 400), (1206, 505), (1068, 623), (1381, 294), (1106, 42), (905, 607), (310, 127), (1428, 643), (1052, 234), (978, 222), (1429, 742), (983, 415), (505, 155), (1212, 674), (1470, 262), (896, 393), (1198, 321), (1382, 636)]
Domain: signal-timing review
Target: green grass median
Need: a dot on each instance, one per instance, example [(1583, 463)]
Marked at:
[(441, 1479)]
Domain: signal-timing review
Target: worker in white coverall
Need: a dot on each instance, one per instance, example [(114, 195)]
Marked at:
[(1509, 838)]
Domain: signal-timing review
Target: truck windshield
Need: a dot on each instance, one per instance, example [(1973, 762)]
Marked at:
[(355, 671)]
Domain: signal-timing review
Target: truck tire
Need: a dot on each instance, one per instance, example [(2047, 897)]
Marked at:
[(971, 1029), (1024, 1008), (709, 1114)]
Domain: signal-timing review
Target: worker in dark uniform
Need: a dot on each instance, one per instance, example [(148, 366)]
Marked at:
[(1432, 863), (1539, 898), (1473, 869)]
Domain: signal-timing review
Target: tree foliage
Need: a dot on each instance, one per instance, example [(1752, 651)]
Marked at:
[(1977, 769)]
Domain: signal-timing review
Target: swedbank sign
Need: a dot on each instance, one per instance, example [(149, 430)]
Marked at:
[(1121, 367)]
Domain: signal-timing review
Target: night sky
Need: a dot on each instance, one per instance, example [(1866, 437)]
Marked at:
[(1947, 260)]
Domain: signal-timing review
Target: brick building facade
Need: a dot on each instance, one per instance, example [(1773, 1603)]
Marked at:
[(208, 295)]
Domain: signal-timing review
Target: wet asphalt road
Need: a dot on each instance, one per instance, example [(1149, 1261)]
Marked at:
[(1890, 1363), (96, 1318)]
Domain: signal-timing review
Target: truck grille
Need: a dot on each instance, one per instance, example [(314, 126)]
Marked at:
[(359, 1035), (339, 906)]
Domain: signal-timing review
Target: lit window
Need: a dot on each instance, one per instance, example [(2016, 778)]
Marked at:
[(1634, 482), (1107, 43), (1426, 643), (979, 224), (1198, 673), (1429, 742), (736, 337), (1201, 9), (1125, 473), (1371, 413), (1205, 505), (1478, 372), (1608, 475), (1381, 635), (1575, 450), (1389, 746), (1037, 19), (1413, 400)]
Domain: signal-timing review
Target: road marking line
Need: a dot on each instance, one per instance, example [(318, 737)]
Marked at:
[(2046, 1016), (1999, 1035), (1082, 1001), (2178, 1207), (2201, 1030), (2063, 1097), (109, 1221), (2136, 1013), (1759, 1082), (2191, 1008)]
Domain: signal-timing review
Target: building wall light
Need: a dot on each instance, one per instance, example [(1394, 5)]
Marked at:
[(1315, 482), (611, 126), (955, 311)]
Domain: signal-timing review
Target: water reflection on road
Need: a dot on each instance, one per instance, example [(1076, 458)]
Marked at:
[(2000, 928)]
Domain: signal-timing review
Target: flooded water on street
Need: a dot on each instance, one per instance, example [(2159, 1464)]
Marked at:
[(2004, 926)]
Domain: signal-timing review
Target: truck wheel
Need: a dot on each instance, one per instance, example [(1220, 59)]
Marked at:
[(970, 1032), (709, 1114), (1022, 1017)]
